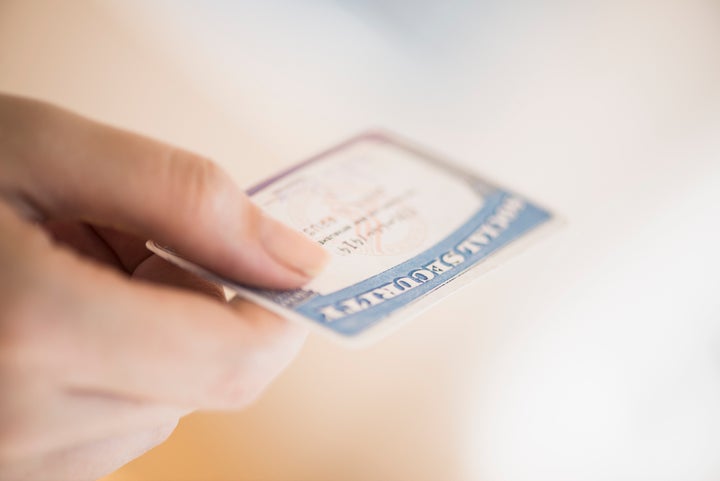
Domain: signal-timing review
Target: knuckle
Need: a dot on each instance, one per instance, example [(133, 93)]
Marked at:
[(206, 189)]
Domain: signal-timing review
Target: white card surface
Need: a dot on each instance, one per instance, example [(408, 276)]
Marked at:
[(404, 229)]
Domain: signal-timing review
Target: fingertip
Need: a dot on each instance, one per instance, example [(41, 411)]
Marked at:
[(292, 248)]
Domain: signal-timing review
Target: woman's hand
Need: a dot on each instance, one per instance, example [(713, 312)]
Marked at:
[(103, 346)]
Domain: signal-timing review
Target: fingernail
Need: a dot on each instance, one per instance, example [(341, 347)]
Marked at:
[(292, 248)]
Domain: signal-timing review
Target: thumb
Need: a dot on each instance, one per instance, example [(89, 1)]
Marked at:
[(69, 167)]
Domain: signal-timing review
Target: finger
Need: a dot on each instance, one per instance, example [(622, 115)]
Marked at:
[(68, 167), (165, 345), (157, 270), (102, 332), (90, 460), (38, 418), (184, 349), (129, 249), (85, 240), (129, 253)]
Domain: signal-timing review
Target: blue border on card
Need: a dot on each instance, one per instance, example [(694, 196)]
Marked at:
[(528, 218)]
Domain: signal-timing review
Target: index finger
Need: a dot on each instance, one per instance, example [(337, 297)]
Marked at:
[(106, 333)]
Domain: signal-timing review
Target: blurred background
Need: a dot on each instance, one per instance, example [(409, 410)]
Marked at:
[(593, 356)]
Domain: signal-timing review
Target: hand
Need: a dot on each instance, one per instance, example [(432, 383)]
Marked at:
[(104, 346)]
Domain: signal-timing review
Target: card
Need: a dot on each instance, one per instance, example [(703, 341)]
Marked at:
[(404, 227)]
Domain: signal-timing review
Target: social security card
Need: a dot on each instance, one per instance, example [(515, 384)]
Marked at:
[(404, 229)]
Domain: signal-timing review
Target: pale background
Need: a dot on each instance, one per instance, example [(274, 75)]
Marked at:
[(594, 356)]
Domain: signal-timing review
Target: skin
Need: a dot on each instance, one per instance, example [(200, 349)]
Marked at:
[(104, 346)]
